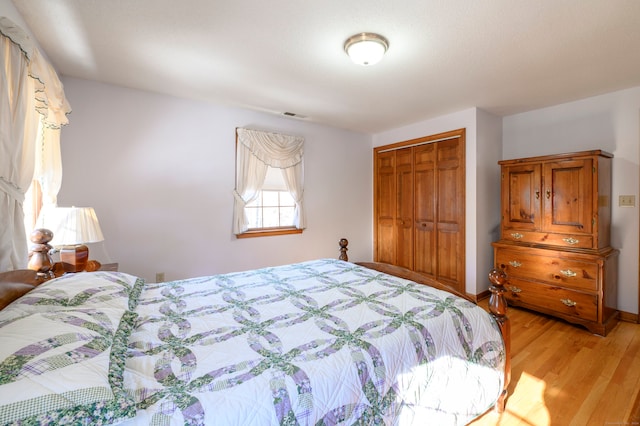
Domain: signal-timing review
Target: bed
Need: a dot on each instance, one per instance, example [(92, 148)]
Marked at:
[(321, 342)]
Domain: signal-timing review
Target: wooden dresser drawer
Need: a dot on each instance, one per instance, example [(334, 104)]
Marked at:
[(545, 238), (558, 299), (553, 270)]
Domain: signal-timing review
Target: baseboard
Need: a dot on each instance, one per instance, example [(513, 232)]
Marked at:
[(628, 317), (481, 296)]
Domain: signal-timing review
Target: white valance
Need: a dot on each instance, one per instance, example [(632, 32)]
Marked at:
[(50, 99), (274, 149)]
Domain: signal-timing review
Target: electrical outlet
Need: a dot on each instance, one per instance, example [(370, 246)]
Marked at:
[(159, 277), (627, 201)]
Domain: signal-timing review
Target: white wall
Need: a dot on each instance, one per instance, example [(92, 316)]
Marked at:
[(487, 185), (609, 122), (159, 172), (9, 10), (482, 155)]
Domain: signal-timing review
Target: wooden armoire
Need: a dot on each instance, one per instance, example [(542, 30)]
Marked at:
[(419, 206), (555, 237)]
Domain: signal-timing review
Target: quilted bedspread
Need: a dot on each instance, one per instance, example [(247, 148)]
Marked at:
[(315, 343)]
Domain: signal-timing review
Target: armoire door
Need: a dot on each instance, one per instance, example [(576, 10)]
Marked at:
[(568, 196), (522, 197)]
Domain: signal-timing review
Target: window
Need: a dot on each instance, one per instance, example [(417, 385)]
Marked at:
[(269, 184), (272, 209)]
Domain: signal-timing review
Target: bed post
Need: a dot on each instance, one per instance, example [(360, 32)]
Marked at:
[(498, 308), (343, 249), (39, 257)]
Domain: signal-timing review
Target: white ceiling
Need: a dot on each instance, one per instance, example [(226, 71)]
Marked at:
[(503, 56)]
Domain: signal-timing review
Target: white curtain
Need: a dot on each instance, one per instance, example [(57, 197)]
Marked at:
[(256, 152), (48, 170), (32, 109)]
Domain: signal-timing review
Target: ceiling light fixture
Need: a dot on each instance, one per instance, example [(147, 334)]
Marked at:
[(366, 48)]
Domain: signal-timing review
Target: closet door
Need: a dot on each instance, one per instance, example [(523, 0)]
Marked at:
[(450, 193), (420, 206), (426, 200), (404, 205), (385, 207)]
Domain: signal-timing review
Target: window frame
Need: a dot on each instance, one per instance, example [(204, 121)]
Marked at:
[(269, 232)]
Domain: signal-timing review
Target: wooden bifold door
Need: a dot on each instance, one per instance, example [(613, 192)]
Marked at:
[(419, 205)]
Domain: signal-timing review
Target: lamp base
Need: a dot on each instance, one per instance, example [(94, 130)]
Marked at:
[(74, 258)]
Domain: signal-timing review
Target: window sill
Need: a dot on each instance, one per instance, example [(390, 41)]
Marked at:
[(269, 232)]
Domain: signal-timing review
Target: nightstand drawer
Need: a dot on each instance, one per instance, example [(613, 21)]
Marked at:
[(558, 299), (551, 269)]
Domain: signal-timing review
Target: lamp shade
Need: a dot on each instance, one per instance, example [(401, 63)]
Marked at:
[(71, 225)]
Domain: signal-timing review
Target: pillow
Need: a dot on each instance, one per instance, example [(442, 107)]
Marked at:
[(95, 289), (63, 351)]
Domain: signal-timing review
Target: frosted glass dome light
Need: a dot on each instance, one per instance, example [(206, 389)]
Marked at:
[(366, 48)]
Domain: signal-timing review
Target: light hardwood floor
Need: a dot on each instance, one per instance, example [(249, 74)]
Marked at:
[(563, 375)]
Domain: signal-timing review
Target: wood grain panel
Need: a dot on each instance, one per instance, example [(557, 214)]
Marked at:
[(568, 192), (425, 209), (385, 207), (521, 199), (404, 206)]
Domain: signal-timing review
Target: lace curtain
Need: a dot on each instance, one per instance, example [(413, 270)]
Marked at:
[(255, 153), (32, 110)]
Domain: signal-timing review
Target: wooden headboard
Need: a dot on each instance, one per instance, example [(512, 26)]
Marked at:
[(14, 284)]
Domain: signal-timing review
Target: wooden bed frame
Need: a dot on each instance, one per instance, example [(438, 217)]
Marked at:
[(14, 284)]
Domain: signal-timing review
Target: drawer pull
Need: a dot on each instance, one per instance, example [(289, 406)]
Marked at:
[(570, 240), (517, 235), (570, 303), (515, 289), (568, 273), (515, 264)]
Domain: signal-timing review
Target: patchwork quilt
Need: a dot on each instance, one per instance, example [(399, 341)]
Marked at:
[(324, 342)]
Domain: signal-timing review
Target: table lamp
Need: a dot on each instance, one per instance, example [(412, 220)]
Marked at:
[(73, 227)]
